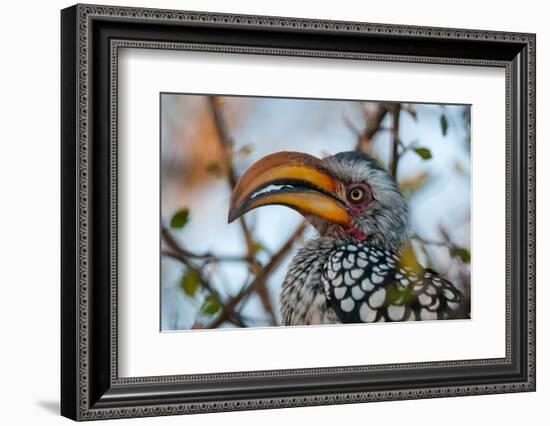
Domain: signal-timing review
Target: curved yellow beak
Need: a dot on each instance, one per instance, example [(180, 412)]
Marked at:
[(293, 179)]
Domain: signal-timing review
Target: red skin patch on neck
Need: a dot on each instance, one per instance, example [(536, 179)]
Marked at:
[(336, 231), (356, 234)]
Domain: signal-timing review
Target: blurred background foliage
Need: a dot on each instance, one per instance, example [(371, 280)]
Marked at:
[(219, 275)]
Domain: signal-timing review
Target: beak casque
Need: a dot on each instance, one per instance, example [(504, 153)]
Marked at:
[(302, 182)]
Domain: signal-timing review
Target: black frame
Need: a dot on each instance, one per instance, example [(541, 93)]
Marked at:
[(91, 37)]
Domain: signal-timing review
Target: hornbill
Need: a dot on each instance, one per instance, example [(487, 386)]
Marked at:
[(359, 268)]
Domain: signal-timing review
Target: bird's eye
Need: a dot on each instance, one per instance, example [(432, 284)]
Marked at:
[(356, 195)]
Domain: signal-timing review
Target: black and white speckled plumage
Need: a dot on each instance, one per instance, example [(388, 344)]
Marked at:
[(364, 283), (337, 281), (303, 297)]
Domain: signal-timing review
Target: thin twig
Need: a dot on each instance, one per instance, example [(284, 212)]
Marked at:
[(351, 126), (410, 109), (209, 257), (396, 110), (405, 148), (430, 242), (373, 125)]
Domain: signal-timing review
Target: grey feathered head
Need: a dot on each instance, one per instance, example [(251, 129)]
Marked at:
[(385, 218), (345, 195)]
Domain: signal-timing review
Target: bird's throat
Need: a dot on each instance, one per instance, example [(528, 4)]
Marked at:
[(357, 234), (327, 229)]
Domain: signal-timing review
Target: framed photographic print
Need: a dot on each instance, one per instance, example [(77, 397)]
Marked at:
[(263, 212)]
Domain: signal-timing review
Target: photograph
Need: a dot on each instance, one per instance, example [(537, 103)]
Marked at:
[(264, 209), (295, 212)]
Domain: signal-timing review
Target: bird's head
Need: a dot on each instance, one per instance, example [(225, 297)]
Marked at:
[(344, 195)]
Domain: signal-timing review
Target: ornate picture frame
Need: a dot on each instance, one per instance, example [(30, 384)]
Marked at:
[(91, 37)]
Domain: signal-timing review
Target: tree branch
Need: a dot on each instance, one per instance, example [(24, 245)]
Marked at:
[(430, 242), (227, 152), (227, 149), (261, 277), (209, 257), (396, 110), (180, 254), (373, 125)]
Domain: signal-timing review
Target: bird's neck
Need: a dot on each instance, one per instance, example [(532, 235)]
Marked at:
[(357, 234), (390, 237)]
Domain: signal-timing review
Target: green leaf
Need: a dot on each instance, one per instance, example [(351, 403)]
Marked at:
[(180, 218), (425, 153), (190, 282), (215, 168), (444, 124), (211, 305), (245, 150), (461, 253), (257, 246)]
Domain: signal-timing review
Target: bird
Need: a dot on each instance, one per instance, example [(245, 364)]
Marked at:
[(360, 268)]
